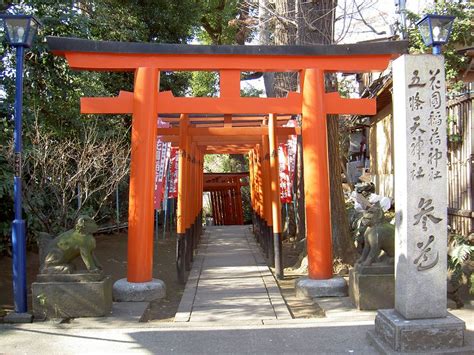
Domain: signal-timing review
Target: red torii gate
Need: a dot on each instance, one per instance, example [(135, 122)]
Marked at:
[(146, 102), (225, 196)]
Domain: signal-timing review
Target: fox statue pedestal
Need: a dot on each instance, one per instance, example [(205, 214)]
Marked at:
[(372, 287), (371, 280), (72, 295), (60, 291)]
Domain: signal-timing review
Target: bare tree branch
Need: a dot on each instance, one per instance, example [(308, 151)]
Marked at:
[(367, 24), (55, 167)]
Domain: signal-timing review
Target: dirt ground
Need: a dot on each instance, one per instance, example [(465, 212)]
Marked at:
[(111, 251)]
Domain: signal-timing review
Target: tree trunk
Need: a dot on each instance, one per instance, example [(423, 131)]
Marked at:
[(343, 245), (285, 34), (315, 21), (264, 30), (312, 22)]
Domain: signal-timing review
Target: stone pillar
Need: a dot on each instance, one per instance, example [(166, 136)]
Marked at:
[(419, 321), (420, 186)]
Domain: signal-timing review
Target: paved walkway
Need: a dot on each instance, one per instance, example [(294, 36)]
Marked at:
[(229, 280)]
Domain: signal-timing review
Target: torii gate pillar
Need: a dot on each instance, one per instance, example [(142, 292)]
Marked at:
[(320, 281), (139, 285)]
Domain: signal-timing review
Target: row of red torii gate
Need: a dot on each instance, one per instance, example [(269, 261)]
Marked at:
[(225, 197), (228, 124)]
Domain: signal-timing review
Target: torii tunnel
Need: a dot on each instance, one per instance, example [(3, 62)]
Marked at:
[(225, 197), (229, 134)]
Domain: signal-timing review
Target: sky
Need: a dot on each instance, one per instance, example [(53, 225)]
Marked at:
[(378, 14)]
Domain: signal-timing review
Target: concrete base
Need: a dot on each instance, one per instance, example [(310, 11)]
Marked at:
[(14, 317), (371, 291), (66, 299), (393, 333), (124, 291), (335, 287)]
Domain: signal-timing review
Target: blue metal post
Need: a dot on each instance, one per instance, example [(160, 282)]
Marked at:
[(437, 49), (18, 227)]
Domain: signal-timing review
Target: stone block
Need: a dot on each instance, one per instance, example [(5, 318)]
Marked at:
[(395, 333), (375, 269), (335, 287), (371, 291), (14, 317), (72, 299), (124, 291), (81, 277)]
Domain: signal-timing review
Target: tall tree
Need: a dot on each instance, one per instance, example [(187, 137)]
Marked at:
[(312, 22), (285, 34), (316, 26)]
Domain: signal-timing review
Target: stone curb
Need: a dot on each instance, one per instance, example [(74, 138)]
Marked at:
[(186, 305), (276, 299)]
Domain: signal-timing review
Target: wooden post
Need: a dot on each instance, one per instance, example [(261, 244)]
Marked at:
[(180, 213), (193, 200), (316, 177), (228, 196), (251, 180), (233, 205), (235, 211), (275, 195), (252, 187), (219, 209), (213, 200), (238, 201), (218, 205), (188, 204), (267, 200), (181, 208), (199, 194), (230, 209), (201, 189), (223, 207), (258, 162), (142, 174), (214, 208)]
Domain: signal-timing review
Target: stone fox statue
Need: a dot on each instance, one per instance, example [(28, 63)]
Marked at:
[(57, 253), (379, 235)]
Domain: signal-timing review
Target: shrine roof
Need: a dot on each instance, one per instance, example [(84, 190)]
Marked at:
[(61, 45)]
